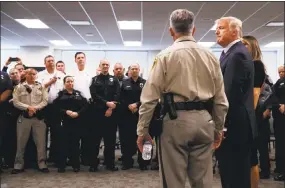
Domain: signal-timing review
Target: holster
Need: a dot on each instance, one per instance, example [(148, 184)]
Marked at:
[(169, 106)]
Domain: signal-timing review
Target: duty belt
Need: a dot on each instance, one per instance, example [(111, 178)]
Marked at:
[(190, 105)]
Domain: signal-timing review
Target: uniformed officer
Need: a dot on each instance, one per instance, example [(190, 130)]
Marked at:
[(12, 113), (192, 75), (105, 92), (51, 79), (82, 81), (70, 104), (119, 74), (5, 91), (278, 113), (30, 97), (130, 101)]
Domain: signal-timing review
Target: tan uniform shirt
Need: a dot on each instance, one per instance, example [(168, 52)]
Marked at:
[(22, 99), (189, 71)]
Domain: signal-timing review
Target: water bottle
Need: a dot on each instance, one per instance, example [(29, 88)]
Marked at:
[(147, 147)]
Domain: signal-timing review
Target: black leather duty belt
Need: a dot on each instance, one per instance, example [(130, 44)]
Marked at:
[(190, 105)]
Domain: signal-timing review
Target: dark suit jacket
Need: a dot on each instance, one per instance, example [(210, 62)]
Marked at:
[(238, 71)]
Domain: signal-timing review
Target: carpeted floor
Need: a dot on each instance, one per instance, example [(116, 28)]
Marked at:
[(133, 178)]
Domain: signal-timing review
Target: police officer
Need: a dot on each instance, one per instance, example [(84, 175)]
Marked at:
[(51, 79), (130, 101), (105, 92), (70, 105), (189, 75), (119, 74), (12, 113), (278, 113), (30, 97), (5, 91), (82, 81)]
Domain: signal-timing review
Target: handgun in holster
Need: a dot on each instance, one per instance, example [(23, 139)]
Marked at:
[(169, 106)]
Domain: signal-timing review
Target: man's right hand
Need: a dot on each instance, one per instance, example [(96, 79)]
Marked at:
[(218, 139), (266, 113), (32, 110), (8, 62), (111, 105)]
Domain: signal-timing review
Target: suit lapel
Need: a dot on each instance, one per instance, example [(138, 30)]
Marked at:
[(224, 61)]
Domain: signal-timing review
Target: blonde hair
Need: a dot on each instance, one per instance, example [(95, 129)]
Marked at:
[(254, 46)]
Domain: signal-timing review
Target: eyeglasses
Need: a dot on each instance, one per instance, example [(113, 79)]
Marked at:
[(281, 72)]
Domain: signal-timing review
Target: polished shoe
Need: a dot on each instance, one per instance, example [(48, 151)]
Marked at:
[(61, 170), (93, 169), (263, 175), (279, 177), (143, 167), (127, 167), (154, 167), (112, 168), (5, 166), (17, 171), (44, 170), (76, 169)]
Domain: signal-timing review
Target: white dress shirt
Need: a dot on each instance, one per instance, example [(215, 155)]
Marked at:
[(44, 77), (226, 49), (82, 82)]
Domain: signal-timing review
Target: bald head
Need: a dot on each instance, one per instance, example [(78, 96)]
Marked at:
[(119, 70), (135, 70), (104, 66), (281, 71)]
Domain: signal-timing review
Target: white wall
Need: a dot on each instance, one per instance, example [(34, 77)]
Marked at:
[(30, 55)]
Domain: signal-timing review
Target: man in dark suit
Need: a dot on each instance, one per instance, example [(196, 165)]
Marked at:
[(240, 127)]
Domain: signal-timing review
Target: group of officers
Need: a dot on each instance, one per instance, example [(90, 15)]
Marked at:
[(75, 111), (207, 104)]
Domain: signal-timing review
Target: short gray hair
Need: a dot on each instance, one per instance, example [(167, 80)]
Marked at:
[(182, 21), (234, 23), (12, 70)]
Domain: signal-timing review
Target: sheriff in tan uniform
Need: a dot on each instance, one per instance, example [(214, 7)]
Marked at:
[(192, 73), (30, 97)]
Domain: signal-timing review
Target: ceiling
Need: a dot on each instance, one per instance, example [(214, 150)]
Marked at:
[(154, 17)]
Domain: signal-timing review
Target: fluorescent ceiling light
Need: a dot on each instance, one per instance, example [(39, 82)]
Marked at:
[(275, 24), (274, 44), (79, 22), (94, 43), (214, 27), (60, 42), (32, 23), (130, 25), (207, 44), (132, 43), (89, 35)]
